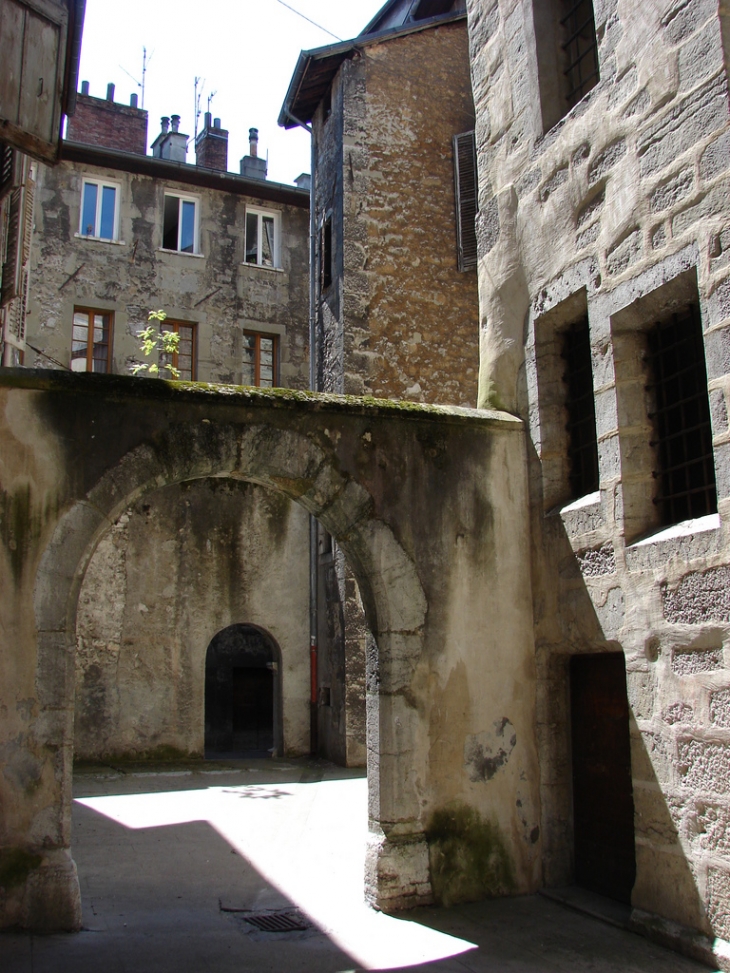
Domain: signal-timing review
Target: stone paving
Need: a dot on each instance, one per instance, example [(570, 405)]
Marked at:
[(174, 863)]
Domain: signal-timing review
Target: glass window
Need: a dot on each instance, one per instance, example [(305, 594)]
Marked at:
[(91, 341), (99, 210), (179, 224), (262, 238), (260, 359), (185, 358)]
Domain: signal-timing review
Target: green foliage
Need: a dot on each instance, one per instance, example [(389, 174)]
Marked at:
[(156, 341)]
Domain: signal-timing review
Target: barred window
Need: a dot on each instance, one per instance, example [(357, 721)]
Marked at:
[(580, 406), (580, 49), (684, 467)]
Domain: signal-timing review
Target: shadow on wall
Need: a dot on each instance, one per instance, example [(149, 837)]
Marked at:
[(574, 610)]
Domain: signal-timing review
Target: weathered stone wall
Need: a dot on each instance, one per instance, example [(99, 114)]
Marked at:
[(400, 321), (217, 291), (621, 210), (173, 570), (427, 506)]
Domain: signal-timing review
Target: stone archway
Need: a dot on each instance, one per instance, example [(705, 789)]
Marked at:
[(393, 597), (428, 506)]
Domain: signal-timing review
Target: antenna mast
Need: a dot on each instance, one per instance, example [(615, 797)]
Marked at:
[(199, 83), (144, 71)]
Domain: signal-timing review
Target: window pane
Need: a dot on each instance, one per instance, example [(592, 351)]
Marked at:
[(249, 359), (187, 235), (88, 209), (267, 243), (185, 352), (170, 223), (79, 341), (266, 366), (252, 245), (100, 352), (108, 200)]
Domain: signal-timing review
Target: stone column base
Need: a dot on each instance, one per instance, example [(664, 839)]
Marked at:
[(39, 892), (397, 872)]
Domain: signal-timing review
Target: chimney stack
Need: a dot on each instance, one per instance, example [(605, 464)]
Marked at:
[(211, 145), (251, 166), (105, 123), (170, 143)]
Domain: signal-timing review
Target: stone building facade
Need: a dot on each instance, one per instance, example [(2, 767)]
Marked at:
[(395, 316), (188, 562), (604, 199)]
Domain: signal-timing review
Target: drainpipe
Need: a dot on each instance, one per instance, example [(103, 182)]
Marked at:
[(313, 532)]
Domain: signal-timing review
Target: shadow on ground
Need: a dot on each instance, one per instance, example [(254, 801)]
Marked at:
[(186, 869)]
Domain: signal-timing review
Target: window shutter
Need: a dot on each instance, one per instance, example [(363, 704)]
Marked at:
[(465, 185), (12, 263), (28, 200), (16, 312), (7, 167)]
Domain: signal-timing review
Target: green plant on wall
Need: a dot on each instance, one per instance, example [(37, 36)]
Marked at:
[(154, 340)]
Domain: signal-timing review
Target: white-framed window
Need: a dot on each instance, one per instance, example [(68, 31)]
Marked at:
[(180, 221), (263, 237), (99, 209)]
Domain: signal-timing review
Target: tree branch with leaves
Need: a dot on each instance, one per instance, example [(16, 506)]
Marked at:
[(156, 341)]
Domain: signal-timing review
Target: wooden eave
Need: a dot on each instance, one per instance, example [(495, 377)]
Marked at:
[(316, 69)]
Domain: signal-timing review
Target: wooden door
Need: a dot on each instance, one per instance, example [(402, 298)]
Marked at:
[(603, 804)]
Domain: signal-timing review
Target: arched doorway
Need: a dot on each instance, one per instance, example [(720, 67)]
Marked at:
[(242, 694)]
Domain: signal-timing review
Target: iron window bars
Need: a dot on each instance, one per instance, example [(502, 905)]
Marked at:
[(580, 49), (683, 434), (581, 424)]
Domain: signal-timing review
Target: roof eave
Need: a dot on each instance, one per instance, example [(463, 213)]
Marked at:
[(290, 115)]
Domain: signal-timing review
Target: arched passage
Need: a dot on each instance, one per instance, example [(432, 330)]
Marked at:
[(394, 601), (243, 693)]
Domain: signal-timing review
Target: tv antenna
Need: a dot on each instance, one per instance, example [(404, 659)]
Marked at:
[(211, 96), (199, 84), (145, 62)]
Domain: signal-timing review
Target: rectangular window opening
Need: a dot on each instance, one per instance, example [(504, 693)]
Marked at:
[(91, 341), (185, 358), (580, 49), (326, 270), (580, 407), (260, 359), (99, 210), (179, 224), (262, 238), (684, 466)]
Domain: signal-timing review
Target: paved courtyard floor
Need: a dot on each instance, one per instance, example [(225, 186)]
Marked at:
[(180, 869)]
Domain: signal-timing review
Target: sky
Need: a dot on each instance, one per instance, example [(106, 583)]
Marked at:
[(243, 50)]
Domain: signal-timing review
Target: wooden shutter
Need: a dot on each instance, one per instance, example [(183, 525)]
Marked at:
[(7, 168), (465, 186), (12, 263)]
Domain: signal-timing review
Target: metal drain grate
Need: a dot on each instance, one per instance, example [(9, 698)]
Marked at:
[(278, 921)]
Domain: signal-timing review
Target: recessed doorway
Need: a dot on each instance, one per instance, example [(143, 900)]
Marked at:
[(603, 802), (242, 696)]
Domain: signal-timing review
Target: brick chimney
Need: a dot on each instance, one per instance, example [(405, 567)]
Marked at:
[(105, 122), (251, 166), (170, 143), (211, 145)]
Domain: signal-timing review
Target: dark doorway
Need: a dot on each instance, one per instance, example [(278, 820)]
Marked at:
[(242, 694), (603, 803)]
